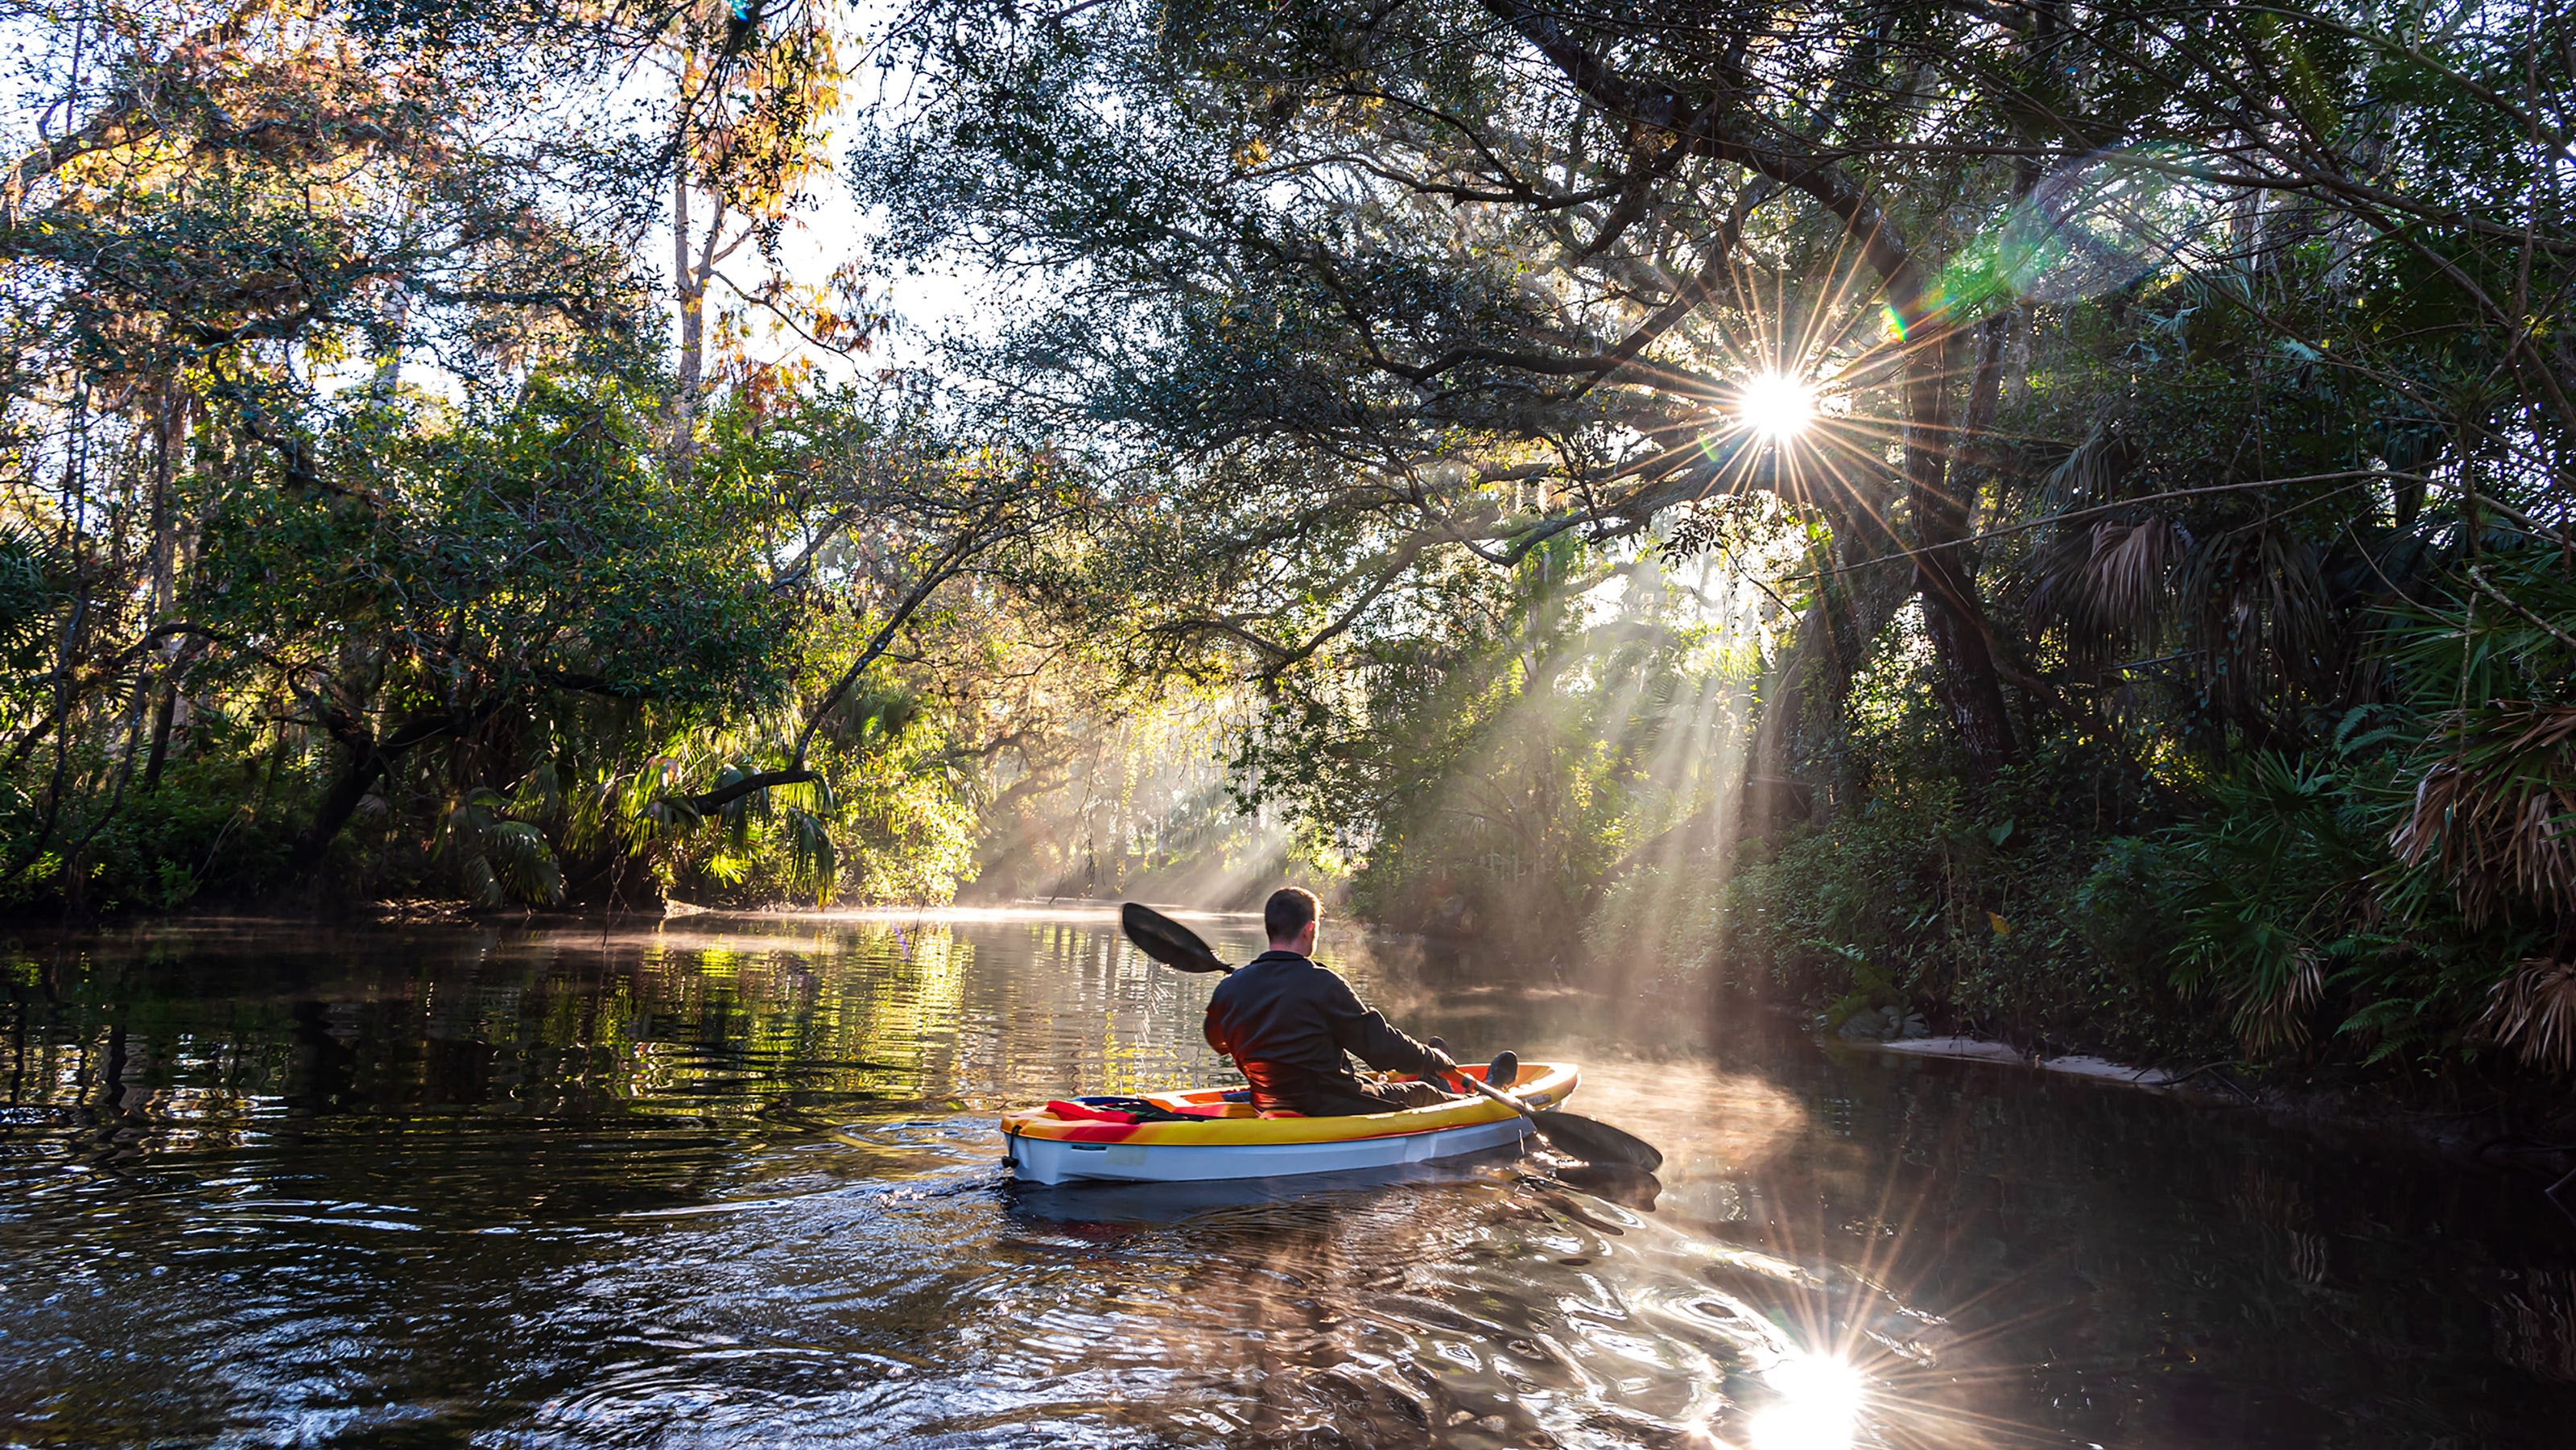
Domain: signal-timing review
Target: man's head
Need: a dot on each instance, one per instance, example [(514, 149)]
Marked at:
[(1289, 916)]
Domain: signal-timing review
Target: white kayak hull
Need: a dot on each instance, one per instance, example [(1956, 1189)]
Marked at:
[(1045, 1160)]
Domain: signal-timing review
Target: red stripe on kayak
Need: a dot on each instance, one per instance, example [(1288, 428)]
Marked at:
[(1095, 1133), (1085, 1113)]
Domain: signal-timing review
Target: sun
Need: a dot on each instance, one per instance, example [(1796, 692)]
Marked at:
[(1776, 406), (1820, 1400)]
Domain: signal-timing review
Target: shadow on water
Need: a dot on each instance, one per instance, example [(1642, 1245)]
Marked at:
[(738, 1182)]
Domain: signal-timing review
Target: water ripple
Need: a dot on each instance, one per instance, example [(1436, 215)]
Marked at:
[(742, 1187)]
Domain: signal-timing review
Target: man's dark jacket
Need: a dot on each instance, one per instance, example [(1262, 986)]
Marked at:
[(1287, 1023)]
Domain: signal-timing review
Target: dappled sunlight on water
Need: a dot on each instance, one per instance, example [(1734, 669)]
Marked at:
[(738, 1182), (1707, 1119)]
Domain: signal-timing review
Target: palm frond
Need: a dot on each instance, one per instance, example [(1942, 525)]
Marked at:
[(497, 859), (2495, 816), (523, 862), (812, 858), (2257, 615), (2274, 1007), (2533, 1013), (30, 568), (2106, 587)]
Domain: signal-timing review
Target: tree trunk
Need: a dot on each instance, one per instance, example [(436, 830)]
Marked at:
[(170, 436), (1938, 496), (162, 709), (388, 379), (691, 291), (372, 758), (1815, 672), (341, 801)]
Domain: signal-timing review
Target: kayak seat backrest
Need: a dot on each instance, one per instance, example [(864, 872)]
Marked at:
[(1085, 1113), (1137, 1110)]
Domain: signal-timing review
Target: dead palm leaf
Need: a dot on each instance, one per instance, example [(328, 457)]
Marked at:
[(2496, 816), (2128, 570), (2105, 587), (2533, 1013), (2278, 1019), (2258, 616)]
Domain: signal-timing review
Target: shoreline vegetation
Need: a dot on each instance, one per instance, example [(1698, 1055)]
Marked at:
[(2053, 525)]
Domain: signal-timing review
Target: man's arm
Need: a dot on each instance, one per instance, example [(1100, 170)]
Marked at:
[(1366, 1035)]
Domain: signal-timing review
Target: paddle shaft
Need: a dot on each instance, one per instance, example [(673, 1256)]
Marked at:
[(1569, 1133), (1491, 1091)]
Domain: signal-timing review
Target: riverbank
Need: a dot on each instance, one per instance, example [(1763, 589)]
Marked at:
[(1974, 1049), (2505, 1135)]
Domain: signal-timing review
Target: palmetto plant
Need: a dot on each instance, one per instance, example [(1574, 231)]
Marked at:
[(2487, 667), (2418, 866), (2491, 819), (2231, 604), (29, 570), (2107, 587), (2533, 1012), (497, 858), (2272, 890), (2495, 815)]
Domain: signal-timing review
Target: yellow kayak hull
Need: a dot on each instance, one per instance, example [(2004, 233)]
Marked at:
[(1229, 1140)]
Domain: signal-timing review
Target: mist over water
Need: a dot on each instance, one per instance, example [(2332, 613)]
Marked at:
[(736, 1181)]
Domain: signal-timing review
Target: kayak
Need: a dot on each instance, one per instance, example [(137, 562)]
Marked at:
[(1212, 1133)]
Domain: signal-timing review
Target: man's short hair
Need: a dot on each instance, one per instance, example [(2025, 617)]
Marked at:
[(1287, 911)]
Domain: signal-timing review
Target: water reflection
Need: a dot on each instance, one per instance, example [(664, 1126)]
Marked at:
[(1819, 1403), (739, 1183)]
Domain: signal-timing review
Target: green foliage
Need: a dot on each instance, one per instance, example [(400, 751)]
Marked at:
[(2262, 891), (499, 859), (506, 648), (1483, 777), (2276, 912), (220, 820), (1988, 929), (31, 590), (1374, 385)]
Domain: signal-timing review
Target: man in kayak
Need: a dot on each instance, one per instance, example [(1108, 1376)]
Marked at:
[(1287, 1023)]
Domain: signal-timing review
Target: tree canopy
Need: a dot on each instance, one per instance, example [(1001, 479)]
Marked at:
[(1899, 504), (2183, 374)]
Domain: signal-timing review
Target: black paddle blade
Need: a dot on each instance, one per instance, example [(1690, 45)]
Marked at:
[(1597, 1142), (1166, 940), (1628, 1187)]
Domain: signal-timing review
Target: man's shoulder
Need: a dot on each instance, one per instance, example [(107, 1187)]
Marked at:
[(1260, 968), (1276, 968), (1284, 964), (1306, 976)]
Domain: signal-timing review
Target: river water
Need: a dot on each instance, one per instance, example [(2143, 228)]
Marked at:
[(736, 1181)]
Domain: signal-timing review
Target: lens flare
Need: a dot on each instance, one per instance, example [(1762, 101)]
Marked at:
[(1820, 1398), (1776, 406)]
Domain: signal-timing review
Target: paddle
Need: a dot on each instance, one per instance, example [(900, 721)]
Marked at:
[(1176, 946), (1585, 1138), (1167, 941)]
